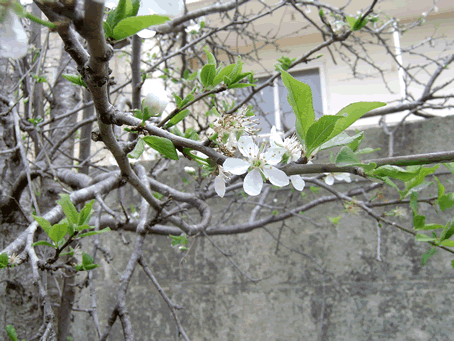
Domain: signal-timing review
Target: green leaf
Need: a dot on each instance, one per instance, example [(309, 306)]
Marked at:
[(44, 223), (424, 238), (58, 231), (236, 70), (86, 259), (341, 140), (224, 72), (240, 85), (394, 172), (314, 189), (300, 98), (367, 151), (352, 113), (130, 26), (450, 166), (355, 144), (85, 227), (135, 7), (346, 157), (369, 167), (448, 243), (414, 202), (107, 29), (138, 150), (446, 201), (92, 233), (210, 57), (417, 183), (69, 209), (358, 24), (443, 234), (430, 226), (11, 331), (75, 79), (85, 213), (162, 145), (207, 75), (176, 240), (3, 260), (426, 255), (90, 267), (419, 222), (450, 231), (120, 12), (177, 118), (319, 132), (43, 242), (334, 220)]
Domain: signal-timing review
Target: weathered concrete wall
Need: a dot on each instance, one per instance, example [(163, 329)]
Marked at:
[(356, 298)]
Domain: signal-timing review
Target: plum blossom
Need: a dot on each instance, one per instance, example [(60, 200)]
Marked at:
[(154, 104), (220, 180), (258, 163), (292, 148), (329, 180), (13, 38), (230, 125)]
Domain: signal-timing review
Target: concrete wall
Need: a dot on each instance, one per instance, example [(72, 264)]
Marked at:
[(357, 297)]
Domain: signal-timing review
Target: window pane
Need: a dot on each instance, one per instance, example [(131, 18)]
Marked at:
[(310, 77)]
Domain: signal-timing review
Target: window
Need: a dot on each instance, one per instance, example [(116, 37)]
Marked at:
[(272, 106)]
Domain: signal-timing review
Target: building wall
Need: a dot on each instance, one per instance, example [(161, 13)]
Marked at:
[(357, 297)]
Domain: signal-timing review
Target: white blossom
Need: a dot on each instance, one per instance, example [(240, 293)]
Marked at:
[(258, 163), (292, 148), (190, 171), (154, 104), (329, 180), (13, 38), (220, 180)]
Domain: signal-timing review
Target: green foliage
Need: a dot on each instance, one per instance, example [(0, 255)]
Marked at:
[(334, 220), (179, 240), (132, 25), (3, 260), (138, 149), (75, 79), (12, 334), (162, 145)]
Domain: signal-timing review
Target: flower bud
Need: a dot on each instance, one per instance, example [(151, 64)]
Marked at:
[(154, 105), (190, 171)]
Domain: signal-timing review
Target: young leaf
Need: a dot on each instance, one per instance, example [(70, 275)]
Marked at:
[(130, 26), (43, 242), (3, 260), (120, 12), (426, 255), (300, 98), (162, 145), (87, 259), (138, 149), (44, 223), (58, 231), (346, 157), (351, 113), (207, 75), (240, 85), (85, 213), (424, 238), (341, 140), (419, 222), (334, 220), (224, 72), (107, 29), (367, 151), (450, 166), (75, 79), (11, 331), (319, 132), (92, 233), (210, 57), (177, 118), (69, 209)]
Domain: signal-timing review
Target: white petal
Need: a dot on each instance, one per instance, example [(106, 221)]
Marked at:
[(253, 182), (219, 186), (342, 176), (275, 138), (276, 176), (329, 180), (236, 166), (247, 146), (273, 155), (297, 182)]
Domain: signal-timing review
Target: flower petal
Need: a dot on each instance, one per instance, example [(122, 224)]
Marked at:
[(219, 186), (236, 166), (329, 180), (276, 176), (247, 146), (275, 138), (297, 182), (253, 182), (342, 176), (273, 155)]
